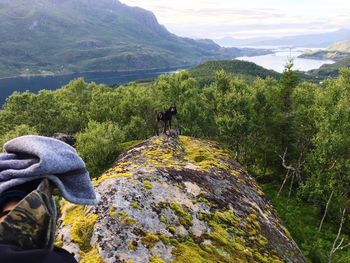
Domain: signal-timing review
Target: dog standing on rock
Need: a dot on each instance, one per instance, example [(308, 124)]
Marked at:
[(165, 117)]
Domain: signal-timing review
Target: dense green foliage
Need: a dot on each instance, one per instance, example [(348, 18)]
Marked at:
[(330, 70), (99, 144), (205, 72), (73, 36), (302, 220), (19, 130), (261, 121)]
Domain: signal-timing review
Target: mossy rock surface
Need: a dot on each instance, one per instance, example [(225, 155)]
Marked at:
[(178, 200)]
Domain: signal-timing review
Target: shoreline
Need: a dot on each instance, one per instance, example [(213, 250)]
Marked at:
[(101, 72)]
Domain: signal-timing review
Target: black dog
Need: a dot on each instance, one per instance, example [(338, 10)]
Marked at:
[(165, 116)]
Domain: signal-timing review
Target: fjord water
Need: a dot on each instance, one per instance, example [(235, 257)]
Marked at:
[(275, 61), (37, 83), (278, 59)]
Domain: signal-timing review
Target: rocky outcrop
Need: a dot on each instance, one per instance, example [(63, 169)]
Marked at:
[(176, 200)]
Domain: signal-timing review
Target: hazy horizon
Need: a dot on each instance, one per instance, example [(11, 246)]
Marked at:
[(248, 19)]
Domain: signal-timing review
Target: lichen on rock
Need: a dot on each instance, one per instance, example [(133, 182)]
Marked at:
[(77, 229), (178, 200)]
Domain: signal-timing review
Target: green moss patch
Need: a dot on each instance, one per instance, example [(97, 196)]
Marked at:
[(204, 155), (132, 245), (147, 185), (125, 218), (189, 252), (228, 241), (110, 175), (149, 240), (58, 242), (82, 225), (227, 217), (160, 155), (156, 260), (184, 218), (135, 205), (91, 256)]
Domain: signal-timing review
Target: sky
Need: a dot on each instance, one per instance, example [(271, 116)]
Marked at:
[(248, 18)]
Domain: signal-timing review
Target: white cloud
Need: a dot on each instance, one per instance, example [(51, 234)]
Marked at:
[(249, 18)]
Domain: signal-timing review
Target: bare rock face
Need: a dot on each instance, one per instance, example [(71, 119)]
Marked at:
[(177, 200)]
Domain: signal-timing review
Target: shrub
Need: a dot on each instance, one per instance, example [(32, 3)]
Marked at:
[(19, 130), (98, 145)]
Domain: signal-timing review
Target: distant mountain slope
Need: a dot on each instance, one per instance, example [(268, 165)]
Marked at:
[(235, 42), (62, 36), (343, 46), (311, 40), (337, 52), (206, 71)]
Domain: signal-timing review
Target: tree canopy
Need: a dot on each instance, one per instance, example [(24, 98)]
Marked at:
[(269, 125)]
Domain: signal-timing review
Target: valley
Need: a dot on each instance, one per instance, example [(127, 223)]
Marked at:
[(64, 37)]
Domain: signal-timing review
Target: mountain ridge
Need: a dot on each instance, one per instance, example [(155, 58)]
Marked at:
[(308, 40), (336, 51), (205, 72), (51, 36)]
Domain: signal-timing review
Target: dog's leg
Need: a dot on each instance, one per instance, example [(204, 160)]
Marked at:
[(157, 128)]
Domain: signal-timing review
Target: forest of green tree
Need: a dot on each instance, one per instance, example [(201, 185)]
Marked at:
[(291, 135)]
